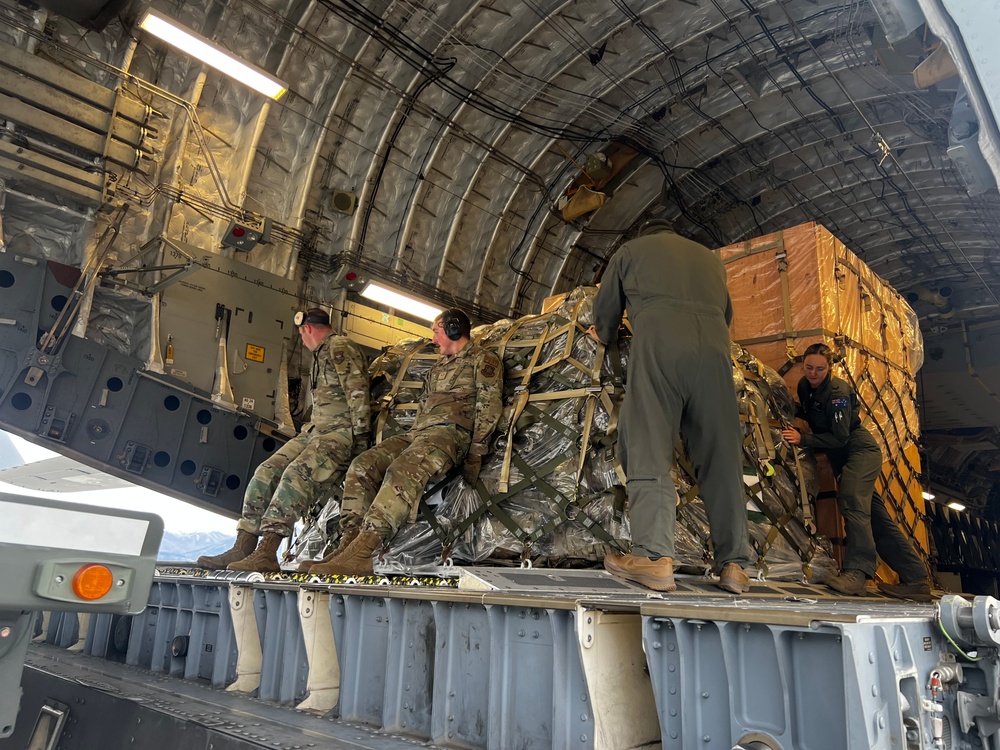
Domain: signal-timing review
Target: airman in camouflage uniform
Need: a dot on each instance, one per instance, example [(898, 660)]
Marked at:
[(305, 468), (460, 407)]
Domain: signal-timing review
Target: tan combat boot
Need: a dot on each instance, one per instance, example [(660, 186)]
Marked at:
[(264, 559), (346, 537), (244, 545), (733, 579), (356, 560), (653, 574)]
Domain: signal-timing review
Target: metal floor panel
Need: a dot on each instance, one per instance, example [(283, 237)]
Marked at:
[(597, 583), (136, 708)]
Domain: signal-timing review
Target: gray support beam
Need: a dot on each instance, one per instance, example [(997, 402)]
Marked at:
[(211, 645), (461, 675), (365, 659), (409, 683), (284, 667)]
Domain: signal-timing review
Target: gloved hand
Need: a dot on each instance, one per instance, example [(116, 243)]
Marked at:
[(360, 444), (470, 471), (592, 332)]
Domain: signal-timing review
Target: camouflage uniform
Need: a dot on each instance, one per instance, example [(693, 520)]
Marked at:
[(459, 409), (286, 485)]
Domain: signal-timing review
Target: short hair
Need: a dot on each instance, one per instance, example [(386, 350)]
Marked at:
[(456, 323), (822, 350), (653, 226)]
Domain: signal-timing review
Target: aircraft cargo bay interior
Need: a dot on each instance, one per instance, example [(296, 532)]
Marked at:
[(566, 374)]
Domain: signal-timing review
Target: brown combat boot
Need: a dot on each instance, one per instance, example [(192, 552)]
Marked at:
[(733, 579), (356, 560), (850, 582), (264, 559), (244, 545), (346, 537), (653, 574)]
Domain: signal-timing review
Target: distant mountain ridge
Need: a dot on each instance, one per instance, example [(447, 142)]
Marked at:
[(181, 547)]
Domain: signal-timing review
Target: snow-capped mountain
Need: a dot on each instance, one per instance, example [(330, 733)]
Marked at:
[(181, 547)]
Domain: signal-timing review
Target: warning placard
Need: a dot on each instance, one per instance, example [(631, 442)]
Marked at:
[(255, 353)]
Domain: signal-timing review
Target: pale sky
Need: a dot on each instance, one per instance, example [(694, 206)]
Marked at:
[(178, 517)]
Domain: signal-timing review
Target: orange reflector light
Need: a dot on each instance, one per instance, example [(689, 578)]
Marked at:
[(92, 582)]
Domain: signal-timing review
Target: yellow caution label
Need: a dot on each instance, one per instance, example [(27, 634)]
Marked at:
[(255, 353)]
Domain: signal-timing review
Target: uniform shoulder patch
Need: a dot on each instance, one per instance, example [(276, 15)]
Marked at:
[(338, 357), (491, 363), (840, 403)]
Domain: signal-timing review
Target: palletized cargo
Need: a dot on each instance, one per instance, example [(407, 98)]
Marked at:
[(802, 285)]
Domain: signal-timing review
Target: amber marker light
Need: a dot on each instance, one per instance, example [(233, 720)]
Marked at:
[(92, 582)]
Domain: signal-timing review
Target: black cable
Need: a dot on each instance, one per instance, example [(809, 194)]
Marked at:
[(439, 70)]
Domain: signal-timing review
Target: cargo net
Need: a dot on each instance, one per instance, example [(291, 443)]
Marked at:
[(880, 347), (888, 400), (552, 491)]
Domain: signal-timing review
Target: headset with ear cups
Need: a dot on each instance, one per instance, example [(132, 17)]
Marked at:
[(314, 315), (453, 325)]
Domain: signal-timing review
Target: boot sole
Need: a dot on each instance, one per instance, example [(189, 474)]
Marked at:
[(255, 569), (733, 587), (922, 597), (205, 565), (847, 592), (657, 583), (344, 573)]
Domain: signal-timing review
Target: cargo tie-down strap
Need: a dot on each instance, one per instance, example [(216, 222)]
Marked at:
[(555, 393), (386, 423), (759, 441)]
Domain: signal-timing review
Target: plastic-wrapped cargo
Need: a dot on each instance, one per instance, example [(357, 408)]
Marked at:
[(802, 285), (552, 489)]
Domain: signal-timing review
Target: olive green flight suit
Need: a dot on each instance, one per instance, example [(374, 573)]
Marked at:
[(680, 379), (833, 413), (459, 408), (305, 468)]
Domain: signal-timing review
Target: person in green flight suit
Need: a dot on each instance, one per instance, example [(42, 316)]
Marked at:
[(305, 468), (680, 380), (458, 411), (831, 408)]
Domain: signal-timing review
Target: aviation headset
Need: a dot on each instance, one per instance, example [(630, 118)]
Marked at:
[(313, 315), (455, 324)]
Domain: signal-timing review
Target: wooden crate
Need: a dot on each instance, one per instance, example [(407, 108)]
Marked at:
[(795, 287), (802, 285)]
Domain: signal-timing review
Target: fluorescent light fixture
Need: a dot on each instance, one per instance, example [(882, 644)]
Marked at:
[(956, 506), (399, 301), (210, 53), (929, 496)]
